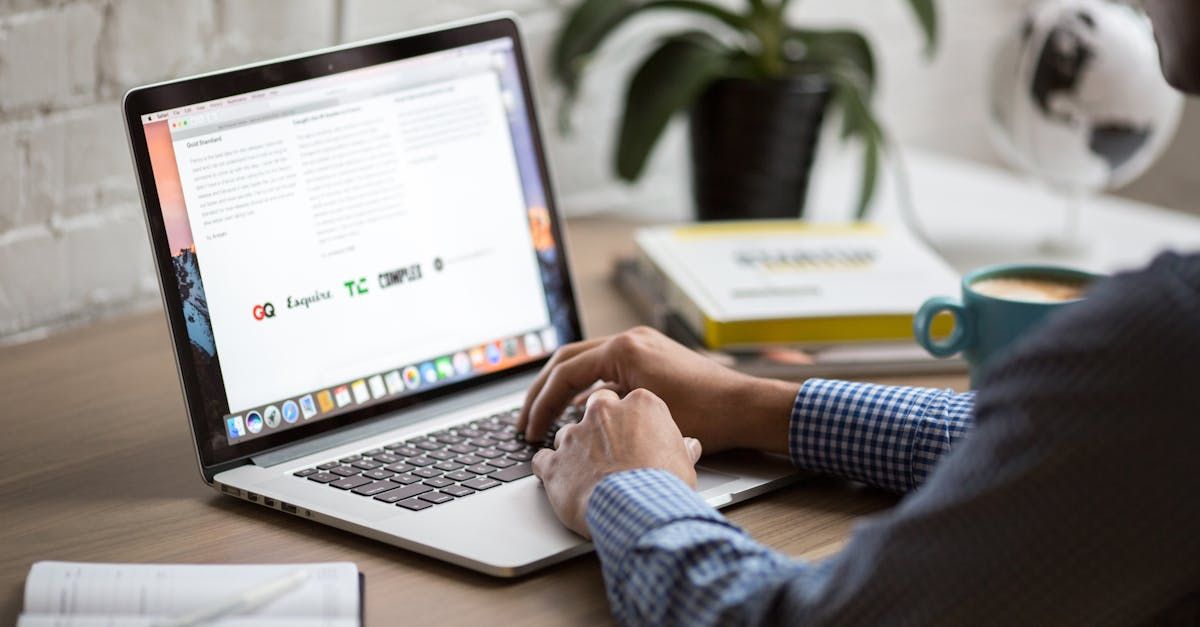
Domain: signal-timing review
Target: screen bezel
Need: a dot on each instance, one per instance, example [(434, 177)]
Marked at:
[(163, 96)]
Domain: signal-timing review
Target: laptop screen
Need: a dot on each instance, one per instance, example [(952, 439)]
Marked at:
[(346, 241)]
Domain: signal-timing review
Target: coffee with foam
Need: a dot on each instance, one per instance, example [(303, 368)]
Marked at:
[(1030, 289)]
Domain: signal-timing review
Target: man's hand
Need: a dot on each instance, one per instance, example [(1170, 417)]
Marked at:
[(722, 408), (615, 434)]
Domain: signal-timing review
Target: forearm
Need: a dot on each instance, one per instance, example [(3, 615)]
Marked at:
[(669, 558), (886, 436)]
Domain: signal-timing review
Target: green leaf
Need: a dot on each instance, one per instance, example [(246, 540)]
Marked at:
[(668, 81), (592, 21), (827, 48), (926, 14), (859, 122), (870, 173), (840, 51)]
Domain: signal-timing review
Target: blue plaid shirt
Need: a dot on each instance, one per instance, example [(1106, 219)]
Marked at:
[(1075, 499), (654, 535)]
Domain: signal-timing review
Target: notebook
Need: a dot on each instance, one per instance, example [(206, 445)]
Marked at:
[(74, 594)]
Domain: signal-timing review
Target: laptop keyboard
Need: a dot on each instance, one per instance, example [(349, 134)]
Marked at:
[(438, 467)]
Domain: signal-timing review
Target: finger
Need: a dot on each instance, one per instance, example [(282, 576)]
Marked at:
[(582, 397), (695, 449), (563, 353), (540, 462), (562, 433), (565, 381), (603, 394)]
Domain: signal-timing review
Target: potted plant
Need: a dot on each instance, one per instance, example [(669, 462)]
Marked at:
[(756, 88)]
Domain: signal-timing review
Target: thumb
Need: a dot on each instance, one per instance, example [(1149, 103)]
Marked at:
[(695, 449)]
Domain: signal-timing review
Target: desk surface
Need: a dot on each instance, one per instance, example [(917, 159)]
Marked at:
[(96, 465)]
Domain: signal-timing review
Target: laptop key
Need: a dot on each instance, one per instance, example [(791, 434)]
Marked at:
[(461, 449), (440, 455), (436, 497), (307, 471), (373, 452), (468, 432), (345, 471), (447, 466), (349, 483), (405, 479), (481, 469), (374, 488), (429, 445), (481, 483), (427, 472), (510, 447), (406, 451), (378, 473), (366, 464), (468, 460), (438, 482), (520, 471), (414, 504), (457, 490), (500, 462), (421, 461), (323, 477), (329, 465), (386, 458), (399, 467), (350, 459), (489, 453), (405, 492), (449, 439), (460, 475), (521, 456)]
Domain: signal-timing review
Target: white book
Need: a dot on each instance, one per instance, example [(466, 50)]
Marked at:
[(74, 594), (753, 283)]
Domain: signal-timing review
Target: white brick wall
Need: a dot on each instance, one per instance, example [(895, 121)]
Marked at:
[(72, 243)]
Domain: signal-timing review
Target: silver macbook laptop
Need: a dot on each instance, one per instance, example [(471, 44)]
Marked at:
[(362, 268)]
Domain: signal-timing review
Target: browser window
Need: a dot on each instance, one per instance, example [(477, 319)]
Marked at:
[(353, 238)]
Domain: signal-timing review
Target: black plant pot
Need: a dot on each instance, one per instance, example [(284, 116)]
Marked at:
[(753, 145)]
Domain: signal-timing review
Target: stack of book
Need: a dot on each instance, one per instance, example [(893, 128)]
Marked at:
[(789, 299)]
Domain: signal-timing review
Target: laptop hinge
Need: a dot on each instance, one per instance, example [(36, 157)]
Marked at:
[(397, 420)]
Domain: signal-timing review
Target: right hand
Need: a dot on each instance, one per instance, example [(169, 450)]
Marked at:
[(722, 408)]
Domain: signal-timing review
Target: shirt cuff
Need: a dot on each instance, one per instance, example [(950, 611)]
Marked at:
[(627, 505), (860, 431)]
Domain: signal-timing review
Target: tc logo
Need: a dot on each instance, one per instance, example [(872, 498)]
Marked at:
[(356, 288), (265, 310)]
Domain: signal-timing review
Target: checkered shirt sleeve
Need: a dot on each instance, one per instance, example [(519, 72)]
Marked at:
[(887, 436), (670, 558)]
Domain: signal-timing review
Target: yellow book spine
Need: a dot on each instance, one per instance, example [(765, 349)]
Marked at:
[(820, 330)]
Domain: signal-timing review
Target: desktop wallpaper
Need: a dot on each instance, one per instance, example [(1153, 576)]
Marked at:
[(186, 264)]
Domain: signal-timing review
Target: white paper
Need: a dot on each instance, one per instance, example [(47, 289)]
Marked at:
[(85, 595)]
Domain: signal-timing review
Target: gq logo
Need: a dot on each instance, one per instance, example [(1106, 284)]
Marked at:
[(265, 310)]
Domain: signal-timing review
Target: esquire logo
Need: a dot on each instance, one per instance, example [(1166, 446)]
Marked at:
[(295, 302), (265, 310)]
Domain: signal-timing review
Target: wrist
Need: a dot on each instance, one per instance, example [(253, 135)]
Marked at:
[(765, 407)]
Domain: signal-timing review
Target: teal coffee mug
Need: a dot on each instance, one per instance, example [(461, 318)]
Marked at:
[(999, 304)]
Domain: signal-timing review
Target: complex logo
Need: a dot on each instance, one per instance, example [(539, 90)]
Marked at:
[(400, 276), (265, 310)]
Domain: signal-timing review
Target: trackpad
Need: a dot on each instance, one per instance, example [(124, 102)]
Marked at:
[(708, 479)]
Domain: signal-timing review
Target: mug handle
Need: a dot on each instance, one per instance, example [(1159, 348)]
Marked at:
[(959, 338)]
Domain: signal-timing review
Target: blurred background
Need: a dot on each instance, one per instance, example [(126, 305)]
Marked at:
[(72, 241)]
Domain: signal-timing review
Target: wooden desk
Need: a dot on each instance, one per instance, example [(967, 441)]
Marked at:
[(96, 465)]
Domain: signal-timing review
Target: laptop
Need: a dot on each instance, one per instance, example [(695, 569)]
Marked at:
[(363, 267)]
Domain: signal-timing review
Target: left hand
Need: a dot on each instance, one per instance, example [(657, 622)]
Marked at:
[(615, 434)]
